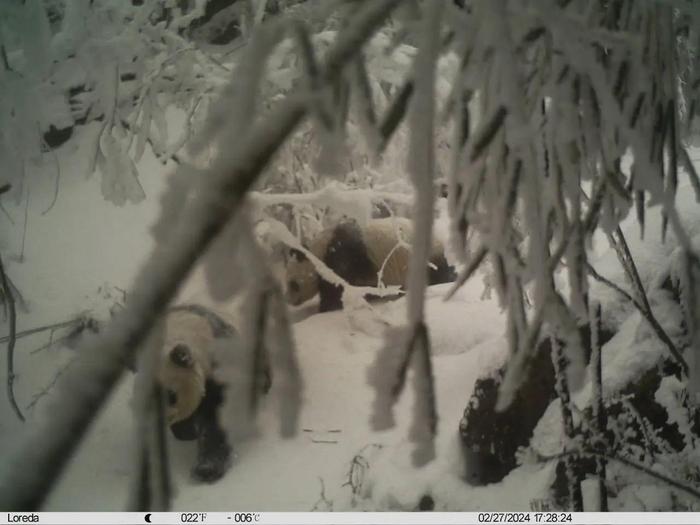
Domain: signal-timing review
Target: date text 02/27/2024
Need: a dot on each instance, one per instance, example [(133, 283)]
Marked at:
[(525, 517)]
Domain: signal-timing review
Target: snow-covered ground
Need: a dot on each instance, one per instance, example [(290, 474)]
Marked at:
[(81, 255), (275, 474), (84, 252)]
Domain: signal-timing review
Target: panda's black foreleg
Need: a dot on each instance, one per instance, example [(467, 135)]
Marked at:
[(185, 430), (440, 271), (213, 449), (348, 257), (331, 296)]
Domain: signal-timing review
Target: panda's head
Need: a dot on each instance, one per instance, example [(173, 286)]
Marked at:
[(359, 254), (354, 252), (184, 362), (302, 280)]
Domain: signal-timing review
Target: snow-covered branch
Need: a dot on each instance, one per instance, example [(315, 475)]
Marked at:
[(415, 348), (46, 447)]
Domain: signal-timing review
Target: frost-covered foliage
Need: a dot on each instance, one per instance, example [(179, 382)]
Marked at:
[(119, 64), (185, 231), (566, 90), (344, 146), (527, 108)]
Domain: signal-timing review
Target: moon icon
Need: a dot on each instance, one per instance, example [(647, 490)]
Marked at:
[(147, 518)]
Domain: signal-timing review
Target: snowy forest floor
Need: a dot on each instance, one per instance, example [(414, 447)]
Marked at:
[(81, 255)]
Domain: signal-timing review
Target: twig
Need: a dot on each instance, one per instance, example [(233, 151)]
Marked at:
[(3, 58), (562, 387), (24, 227), (624, 461), (33, 331), (358, 469), (33, 469), (322, 499), (328, 441), (619, 243), (19, 299), (57, 183), (607, 282), (45, 391), (467, 272), (646, 311), (600, 420), (7, 214), (51, 342), (12, 339), (259, 352)]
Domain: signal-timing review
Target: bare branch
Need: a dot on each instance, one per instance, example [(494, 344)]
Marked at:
[(617, 239), (692, 491), (32, 331), (562, 387), (607, 282), (57, 180), (600, 420), (468, 271), (12, 339)]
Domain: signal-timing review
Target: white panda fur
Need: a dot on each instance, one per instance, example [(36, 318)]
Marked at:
[(183, 327), (185, 372), (341, 253)]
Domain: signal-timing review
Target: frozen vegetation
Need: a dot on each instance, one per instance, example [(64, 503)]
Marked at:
[(158, 152)]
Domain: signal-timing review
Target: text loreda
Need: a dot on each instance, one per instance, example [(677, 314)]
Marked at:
[(22, 518)]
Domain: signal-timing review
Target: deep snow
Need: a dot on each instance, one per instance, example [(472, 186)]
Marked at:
[(84, 252)]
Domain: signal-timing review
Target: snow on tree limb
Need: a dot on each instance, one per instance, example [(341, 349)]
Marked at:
[(47, 446), (352, 203), (416, 347), (352, 295)]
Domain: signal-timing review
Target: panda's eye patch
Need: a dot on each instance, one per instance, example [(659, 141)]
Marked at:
[(181, 356), (171, 397), (293, 286)]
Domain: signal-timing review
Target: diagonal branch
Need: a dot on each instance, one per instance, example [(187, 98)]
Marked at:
[(52, 327), (641, 302), (624, 461), (47, 446)]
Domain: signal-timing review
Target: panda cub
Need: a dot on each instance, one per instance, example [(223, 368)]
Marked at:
[(193, 396), (357, 254)]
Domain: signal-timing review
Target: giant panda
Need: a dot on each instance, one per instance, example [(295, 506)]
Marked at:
[(185, 372), (357, 254)]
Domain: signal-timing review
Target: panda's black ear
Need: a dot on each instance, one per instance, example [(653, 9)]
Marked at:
[(181, 356), (297, 254)]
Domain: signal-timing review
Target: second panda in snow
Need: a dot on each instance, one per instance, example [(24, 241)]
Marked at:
[(358, 254), (186, 374)]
